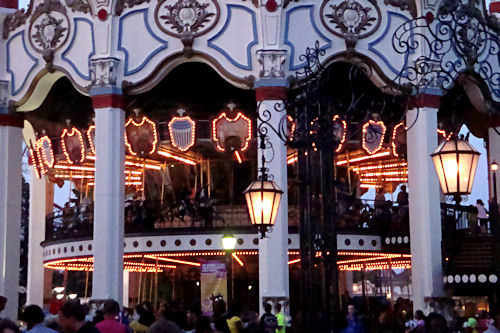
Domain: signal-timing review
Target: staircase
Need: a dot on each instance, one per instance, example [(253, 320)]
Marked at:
[(476, 253)]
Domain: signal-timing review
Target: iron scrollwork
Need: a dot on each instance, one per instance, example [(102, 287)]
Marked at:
[(459, 40)]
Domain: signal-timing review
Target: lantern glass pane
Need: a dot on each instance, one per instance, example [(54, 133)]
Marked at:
[(250, 207), (464, 170), (276, 206), (450, 170), (440, 172), (473, 172)]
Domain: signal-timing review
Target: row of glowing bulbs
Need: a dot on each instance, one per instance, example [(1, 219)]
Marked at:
[(43, 150)]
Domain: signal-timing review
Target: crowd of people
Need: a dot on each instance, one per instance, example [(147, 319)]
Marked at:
[(388, 321), (107, 317)]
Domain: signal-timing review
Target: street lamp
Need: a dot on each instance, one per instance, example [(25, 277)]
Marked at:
[(494, 168), (456, 162), (228, 243), (58, 290)]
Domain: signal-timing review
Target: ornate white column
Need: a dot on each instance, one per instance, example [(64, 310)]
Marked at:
[(10, 208), (37, 213), (273, 251), (424, 206), (126, 287), (107, 282)]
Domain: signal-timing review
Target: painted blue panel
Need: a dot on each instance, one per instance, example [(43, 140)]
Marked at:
[(89, 22), (10, 71), (130, 71), (248, 65), (372, 45), (326, 45)]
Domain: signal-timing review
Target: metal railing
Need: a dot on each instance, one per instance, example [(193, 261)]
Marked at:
[(469, 243), (358, 216)]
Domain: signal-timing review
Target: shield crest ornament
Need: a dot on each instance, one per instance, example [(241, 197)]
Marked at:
[(398, 140), (182, 130), (72, 145), (339, 132), (141, 137), (91, 138), (46, 153), (373, 136), (35, 162), (231, 133)]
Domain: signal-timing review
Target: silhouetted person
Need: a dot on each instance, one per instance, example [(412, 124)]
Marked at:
[(110, 324), (33, 317), (8, 326), (72, 319)]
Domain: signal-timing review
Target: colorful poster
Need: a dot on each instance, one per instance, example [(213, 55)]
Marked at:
[(213, 284)]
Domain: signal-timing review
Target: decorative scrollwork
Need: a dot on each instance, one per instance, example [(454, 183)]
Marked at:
[(187, 19), (13, 21), (122, 4), (79, 6), (187, 16), (350, 19), (408, 5), (460, 40), (312, 68)]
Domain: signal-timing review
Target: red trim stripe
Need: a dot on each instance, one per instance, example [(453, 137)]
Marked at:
[(495, 7), (270, 93), (14, 120), (109, 101), (425, 100)]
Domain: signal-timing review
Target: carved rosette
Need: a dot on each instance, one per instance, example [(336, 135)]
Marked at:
[(187, 19), (103, 72), (272, 63), (49, 29), (350, 19)]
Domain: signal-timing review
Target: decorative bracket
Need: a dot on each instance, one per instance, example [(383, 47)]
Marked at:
[(272, 63), (4, 97), (103, 72)]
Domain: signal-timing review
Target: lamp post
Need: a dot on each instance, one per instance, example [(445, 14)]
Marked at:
[(228, 243), (494, 168), (456, 162)]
